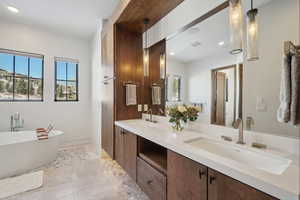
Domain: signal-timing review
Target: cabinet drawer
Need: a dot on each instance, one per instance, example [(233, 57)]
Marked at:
[(151, 181)]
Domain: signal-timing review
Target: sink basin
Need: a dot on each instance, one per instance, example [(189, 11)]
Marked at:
[(260, 160)]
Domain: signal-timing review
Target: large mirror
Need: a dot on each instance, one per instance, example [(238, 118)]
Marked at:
[(201, 71)]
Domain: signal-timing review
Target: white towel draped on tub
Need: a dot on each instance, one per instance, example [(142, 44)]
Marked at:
[(156, 95), (131, 95), (289, 109)]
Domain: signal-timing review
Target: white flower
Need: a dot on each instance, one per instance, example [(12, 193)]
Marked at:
[(198, 108), (181, 109)]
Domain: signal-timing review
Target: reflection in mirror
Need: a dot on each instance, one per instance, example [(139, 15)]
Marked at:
[(199, 54), (201, 71)]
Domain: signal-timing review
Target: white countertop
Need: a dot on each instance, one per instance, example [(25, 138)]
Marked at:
[(284, 187)]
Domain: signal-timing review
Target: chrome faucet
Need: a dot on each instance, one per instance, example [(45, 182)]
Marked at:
[(151, 116), (16, 122), (238, 124)]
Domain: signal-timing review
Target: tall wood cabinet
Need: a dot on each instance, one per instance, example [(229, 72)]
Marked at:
[(126, 151)]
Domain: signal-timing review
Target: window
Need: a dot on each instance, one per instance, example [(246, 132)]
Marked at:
[(21, 76), (66, 79)]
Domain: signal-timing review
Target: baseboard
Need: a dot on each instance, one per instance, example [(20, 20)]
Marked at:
[(75, 142)]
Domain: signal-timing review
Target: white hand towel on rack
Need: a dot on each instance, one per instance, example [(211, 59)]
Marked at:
[(295, 90), (284, 113), (156, 95), (131, 95)]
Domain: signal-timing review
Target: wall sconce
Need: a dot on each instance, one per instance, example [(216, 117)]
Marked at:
[(252, 34), (146, 62), (162, 63), (146, 50), (236, 26)]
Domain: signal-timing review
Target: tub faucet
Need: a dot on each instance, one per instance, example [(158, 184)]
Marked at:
[(16, 122), (238, 124)]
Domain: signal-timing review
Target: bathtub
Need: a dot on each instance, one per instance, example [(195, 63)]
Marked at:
[(21, 151)]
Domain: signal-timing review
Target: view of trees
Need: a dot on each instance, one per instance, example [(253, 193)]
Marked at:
[(17, 85)]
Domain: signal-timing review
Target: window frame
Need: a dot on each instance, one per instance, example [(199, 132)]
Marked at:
[(15, 53), (67, 61)]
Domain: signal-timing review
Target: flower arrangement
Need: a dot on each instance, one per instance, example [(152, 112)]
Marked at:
[(184, 113)]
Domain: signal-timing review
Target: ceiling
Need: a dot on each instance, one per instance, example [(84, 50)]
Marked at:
[(80, 18), (202, 40)]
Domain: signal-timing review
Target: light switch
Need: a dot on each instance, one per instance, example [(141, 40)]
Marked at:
[(140, 108), (261, 105), (145, 107)]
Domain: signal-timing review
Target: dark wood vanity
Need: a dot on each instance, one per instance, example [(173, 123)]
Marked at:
[(163, 174)]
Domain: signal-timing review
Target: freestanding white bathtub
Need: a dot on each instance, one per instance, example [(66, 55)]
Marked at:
[(21, 151)]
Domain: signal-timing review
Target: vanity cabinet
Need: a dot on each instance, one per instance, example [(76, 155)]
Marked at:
[(151, 181), (187, 180), (126, 151), (222, 187)]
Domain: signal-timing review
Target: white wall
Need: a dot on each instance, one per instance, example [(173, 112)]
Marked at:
[(96, 89), (199, 83), (279, 22), (182, 15), (74, 118)]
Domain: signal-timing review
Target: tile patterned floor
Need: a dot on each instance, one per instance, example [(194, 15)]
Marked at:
[(79, 174)]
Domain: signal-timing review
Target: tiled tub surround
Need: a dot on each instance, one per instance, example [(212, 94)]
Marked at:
[(79, 174), (284, 186)]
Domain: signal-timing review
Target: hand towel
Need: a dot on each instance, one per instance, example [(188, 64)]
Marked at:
[(283, 113), (131, 95), (156, 95), (295, 90)]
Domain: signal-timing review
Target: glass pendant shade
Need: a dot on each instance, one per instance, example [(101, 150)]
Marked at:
[(146, 62), (252, 35), (162, 65), (236, 26)]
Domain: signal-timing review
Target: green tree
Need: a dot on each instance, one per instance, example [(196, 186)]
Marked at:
[(21, 86), (2, 86), (40, 88), (9, 87)]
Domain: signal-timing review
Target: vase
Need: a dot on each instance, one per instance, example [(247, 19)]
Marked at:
[(177, 126)]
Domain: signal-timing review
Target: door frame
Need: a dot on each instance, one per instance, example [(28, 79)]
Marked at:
[(214, 91)]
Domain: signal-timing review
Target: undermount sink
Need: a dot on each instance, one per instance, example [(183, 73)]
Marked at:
[(264, 161)]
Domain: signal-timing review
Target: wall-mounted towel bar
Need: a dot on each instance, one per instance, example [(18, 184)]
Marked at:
[(290, 48), (131, 83)]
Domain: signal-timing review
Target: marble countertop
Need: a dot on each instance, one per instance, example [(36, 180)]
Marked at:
[(285, 186)]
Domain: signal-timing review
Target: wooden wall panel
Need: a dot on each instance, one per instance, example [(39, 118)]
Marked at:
[(128, 67), (154, 76), (137, 10)]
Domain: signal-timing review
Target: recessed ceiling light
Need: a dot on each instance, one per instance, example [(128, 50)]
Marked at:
[(221, 43), (196, 44), (172, 53), (12, 9)]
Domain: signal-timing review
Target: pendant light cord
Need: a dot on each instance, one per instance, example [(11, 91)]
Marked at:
[(251, 4)]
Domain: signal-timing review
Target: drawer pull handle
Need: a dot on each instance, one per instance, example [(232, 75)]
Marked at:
[(149, 182), (201, 173), (211, 179)]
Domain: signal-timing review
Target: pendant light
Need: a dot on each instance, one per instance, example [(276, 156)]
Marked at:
[(146, 50), (252, 34), (162, 62), (236, 26)]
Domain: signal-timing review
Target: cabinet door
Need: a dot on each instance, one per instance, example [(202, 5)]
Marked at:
[(130, 154), (221, 187), (187, 180), (119, 146)]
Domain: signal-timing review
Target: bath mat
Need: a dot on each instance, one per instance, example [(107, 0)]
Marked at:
[(19, 184)]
